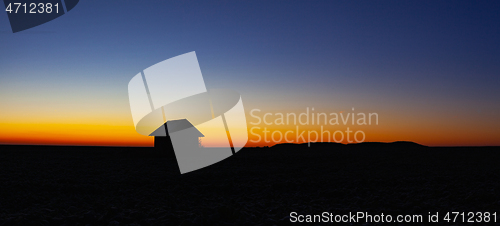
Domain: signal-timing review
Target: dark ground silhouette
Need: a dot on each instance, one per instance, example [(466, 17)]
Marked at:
[(46, 185)]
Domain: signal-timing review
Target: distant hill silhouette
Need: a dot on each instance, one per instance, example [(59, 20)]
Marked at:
[(397, 144), (365, 145)]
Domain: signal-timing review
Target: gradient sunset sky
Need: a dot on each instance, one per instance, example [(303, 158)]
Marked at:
[(429, 69)]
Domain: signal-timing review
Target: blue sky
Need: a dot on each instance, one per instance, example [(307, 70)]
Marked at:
[(397, 57)]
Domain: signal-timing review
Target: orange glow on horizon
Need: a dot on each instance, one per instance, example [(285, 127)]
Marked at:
[(102, 135), (425, 130)]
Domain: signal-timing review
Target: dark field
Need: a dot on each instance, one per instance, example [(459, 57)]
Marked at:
[(121, 186)]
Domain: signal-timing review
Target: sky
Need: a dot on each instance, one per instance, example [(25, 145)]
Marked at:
[(429, 69)]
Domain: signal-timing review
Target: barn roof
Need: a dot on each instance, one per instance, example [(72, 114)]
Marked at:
[(174, 126)]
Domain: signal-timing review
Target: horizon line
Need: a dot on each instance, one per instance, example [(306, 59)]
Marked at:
[(132, 146)]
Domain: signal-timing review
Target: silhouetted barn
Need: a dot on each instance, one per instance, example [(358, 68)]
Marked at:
[(163, 142)]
